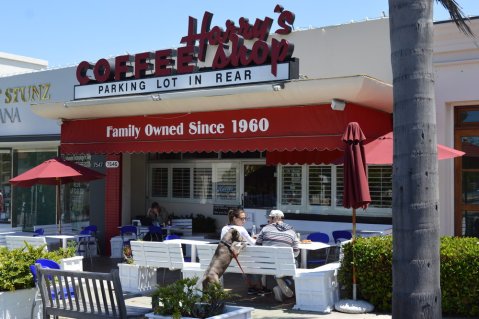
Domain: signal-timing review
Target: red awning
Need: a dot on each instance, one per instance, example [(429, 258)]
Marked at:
[(300, 128)]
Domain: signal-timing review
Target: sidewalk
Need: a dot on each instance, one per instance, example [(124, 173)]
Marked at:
[(266, 307)]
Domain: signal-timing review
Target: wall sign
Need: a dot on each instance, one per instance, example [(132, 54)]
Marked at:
[(234, 62), (223, 209)]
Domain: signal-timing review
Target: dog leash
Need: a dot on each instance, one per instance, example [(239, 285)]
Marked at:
[(235, 256)]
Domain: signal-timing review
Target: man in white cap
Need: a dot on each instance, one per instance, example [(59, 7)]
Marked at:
[(278, 233)]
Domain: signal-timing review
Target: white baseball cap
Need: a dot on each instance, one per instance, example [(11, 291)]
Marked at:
[(276, 213)]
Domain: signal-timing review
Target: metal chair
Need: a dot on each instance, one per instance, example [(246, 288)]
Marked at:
[(38, 232), (172, 236), (128, 233), (341, 235), (322, 238), (47, 263), (85, 240), (155, 233), (94, 233)]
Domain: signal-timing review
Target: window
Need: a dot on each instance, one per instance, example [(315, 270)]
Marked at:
[(339, 185), (159, 182), (195, 181), (380, 185), (202, 183), (226, 182), (181, 182), (319, 185), (291, 191)]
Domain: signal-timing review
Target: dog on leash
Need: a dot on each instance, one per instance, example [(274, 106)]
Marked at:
[(230, 245)]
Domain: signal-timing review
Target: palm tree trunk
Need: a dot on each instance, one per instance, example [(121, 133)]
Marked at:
[(416, 264)]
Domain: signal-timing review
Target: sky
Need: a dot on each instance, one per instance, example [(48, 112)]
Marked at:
[(65, 33)]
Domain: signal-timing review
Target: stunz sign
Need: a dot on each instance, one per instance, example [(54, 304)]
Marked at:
[(176, 69)]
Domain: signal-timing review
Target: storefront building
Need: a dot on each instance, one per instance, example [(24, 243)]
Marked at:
[(260, 131), (27, 140)]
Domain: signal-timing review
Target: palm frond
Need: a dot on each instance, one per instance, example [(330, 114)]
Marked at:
[(457, 15)]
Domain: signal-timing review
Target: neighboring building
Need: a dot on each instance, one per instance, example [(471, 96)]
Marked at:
[(14, 64), (456, 63), (24, 136), (199, 147)]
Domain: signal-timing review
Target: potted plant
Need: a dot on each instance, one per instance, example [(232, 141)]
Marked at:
[(182, 299), (135, 278), (16, 280)]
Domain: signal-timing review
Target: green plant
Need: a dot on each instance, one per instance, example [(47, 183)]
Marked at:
[(128, 254), (373, 259), (179, 298), (15, 265)]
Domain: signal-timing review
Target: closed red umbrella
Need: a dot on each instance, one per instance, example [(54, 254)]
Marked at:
[(56, 171), (380, 151), (356, 188)]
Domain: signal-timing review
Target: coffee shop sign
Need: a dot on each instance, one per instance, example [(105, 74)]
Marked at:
[(229, 43)]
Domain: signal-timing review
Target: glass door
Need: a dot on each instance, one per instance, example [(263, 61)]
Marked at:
[(466, 216), (259, 186)]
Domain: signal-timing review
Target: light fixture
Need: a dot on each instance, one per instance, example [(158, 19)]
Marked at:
[(278, 87), (338, 105)]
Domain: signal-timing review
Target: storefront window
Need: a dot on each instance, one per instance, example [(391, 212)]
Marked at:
[(226, 183), (319, 192), (291, 191), (159, 182), (202, 183), (181, 182), (380, 186), (34, 205), (5, 190)]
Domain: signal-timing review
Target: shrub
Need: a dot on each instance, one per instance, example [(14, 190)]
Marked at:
[(179, 298), (15, 265), (373, 258)]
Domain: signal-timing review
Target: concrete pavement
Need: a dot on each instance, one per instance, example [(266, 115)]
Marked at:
[(266, 307)]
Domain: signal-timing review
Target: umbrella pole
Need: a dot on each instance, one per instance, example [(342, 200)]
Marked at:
[(354, 262), (58, 211)]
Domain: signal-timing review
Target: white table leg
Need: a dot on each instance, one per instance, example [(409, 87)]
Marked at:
[(193, 253), (304, 258)]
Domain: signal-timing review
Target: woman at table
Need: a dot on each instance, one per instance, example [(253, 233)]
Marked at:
[(157, 216), (236, 219)]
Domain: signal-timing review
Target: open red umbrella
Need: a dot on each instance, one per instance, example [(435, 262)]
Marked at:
[(380, 150), (356, 188), (56, 171)]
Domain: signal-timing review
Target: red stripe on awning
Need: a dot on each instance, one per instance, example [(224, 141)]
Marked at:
[(304, 128)]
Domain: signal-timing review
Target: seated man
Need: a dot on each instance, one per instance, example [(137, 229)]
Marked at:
[(278, 233)]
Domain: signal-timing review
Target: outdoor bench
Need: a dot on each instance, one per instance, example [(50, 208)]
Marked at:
[(316, 288), (159, 255), (14, 242), (96, 295)]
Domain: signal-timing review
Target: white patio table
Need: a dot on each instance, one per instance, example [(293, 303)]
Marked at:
[(304, 247)]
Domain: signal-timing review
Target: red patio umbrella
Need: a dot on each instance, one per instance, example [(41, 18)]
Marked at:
[(380, 150), (356, 188), (56, 171)]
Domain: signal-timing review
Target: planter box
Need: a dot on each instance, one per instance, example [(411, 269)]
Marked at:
[(72, 263), (231, 312), (16, 304), (317, 288), (136, 278)]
